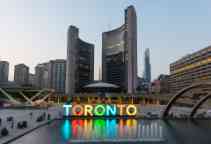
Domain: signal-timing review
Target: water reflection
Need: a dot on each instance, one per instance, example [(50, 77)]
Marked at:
[(66, 130), (88, 129)]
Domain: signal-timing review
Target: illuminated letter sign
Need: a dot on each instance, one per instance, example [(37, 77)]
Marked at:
[(110, 110), (121, 109), (100, 110), (77, 110), (66, 108), (131, 110), (88, 110)]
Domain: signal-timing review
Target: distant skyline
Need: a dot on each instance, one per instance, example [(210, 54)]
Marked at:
[(147, 66), (35, 31)]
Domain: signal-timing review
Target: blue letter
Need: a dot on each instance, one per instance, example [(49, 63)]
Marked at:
[(110, 110)]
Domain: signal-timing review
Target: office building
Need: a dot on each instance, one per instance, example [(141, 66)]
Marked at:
[(80, 62), (193, 68), (4, 71), (147, 66), (32, 80), (57, 75), (41, 76), (21, 74), (160, 85), (119, 54)]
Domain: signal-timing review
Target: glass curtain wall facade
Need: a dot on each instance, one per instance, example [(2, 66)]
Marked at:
[(119, 54)]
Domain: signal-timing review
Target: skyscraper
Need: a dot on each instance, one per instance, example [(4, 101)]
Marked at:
[(147, 66), (4, 71), (80, 62), (21, 75), (119, 54), (57, 75)]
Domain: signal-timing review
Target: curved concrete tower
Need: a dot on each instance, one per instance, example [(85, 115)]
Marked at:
[(80, 62)]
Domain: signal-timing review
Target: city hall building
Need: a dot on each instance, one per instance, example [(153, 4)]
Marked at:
[(80, 62), (193, 68), (119, 54)]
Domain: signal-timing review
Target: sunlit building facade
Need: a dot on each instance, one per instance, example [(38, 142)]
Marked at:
[(80, 62), (193, 68), (119, 54)]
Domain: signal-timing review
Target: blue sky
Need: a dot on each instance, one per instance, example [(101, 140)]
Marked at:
[(34, 31)]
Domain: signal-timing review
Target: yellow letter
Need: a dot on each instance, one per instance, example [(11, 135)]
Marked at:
[(88, 110), (131, 110)]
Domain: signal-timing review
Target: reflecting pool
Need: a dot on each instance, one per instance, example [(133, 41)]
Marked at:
[(110, 129), (119, 131)]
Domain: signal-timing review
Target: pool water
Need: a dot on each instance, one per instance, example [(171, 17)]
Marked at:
[(120, 131)]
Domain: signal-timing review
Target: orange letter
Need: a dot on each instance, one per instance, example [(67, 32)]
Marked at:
[(121, 109)]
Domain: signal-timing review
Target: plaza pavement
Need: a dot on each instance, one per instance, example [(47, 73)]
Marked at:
[(29, 115)]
